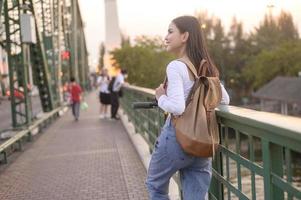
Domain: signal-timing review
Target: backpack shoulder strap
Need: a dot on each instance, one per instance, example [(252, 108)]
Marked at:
[(192, 71), (203, 68), (190, 66)]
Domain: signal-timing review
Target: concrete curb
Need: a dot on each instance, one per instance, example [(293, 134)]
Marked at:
[(142, 148)]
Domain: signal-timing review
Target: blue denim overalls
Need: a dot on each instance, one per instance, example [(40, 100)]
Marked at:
[(168, 158)]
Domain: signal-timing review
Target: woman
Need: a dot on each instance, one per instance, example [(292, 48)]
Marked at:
[(104, 94), (185, 40)]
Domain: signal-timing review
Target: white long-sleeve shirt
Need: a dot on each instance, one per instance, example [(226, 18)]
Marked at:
[(178, 88), (103, 82), (118, 82)]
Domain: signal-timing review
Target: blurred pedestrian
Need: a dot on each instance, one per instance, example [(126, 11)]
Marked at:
[(76, 96), (104, 93), (115, 88)]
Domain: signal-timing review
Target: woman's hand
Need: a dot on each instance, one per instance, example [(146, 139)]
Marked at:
[(160, 91)]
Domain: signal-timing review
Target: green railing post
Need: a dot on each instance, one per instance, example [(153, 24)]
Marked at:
[(266, 169), (252, 159), (216, 188), (4, 157), (288, 160), (277, 162), (272, 165)]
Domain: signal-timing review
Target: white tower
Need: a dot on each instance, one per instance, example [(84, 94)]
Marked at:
[(112, 31)]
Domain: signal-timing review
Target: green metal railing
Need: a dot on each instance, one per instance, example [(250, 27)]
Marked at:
[(259, 156)]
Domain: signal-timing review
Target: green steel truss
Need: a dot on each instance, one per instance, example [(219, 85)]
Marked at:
[(18, 70), (59, 28), (45, 10), (79, 53), (2, 45)]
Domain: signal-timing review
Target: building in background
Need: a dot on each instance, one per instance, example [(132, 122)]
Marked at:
[(112, 32), (281, 95)]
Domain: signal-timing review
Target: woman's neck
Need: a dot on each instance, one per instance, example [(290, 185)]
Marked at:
[(182, 52)]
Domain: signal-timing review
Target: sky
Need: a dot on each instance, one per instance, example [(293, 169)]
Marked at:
[(152, 17)]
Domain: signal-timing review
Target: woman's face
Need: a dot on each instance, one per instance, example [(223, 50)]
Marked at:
[(174, 40)]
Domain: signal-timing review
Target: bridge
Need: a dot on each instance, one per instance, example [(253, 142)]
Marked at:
[(45, 154)]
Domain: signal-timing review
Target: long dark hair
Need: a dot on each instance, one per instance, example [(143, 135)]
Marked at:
[(196, 48)]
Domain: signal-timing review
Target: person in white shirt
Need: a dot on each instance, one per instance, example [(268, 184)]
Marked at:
[(116, 92), (104, 93), (185, 40)]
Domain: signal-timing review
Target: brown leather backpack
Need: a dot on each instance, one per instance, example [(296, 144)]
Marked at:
[(197, 129)]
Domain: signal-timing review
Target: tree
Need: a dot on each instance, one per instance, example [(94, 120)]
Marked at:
[(125, 40), (243, 58), (284, 60), (206, 22), (239, 52), (217, 45), (286, 26), (145, 61), (266, 36), (275, 49), (274, 31)]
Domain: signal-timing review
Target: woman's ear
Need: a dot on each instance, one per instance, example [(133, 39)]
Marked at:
[(185, 36)]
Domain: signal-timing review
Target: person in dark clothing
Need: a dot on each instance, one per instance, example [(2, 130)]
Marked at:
[(115, 88)]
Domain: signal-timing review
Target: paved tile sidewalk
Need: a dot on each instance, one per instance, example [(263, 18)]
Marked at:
[(84, 160)]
